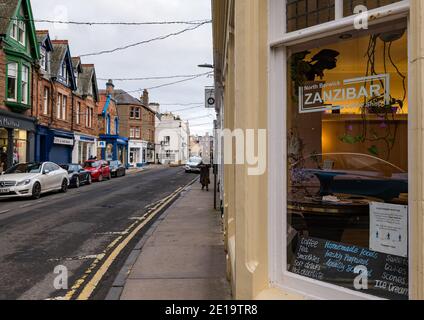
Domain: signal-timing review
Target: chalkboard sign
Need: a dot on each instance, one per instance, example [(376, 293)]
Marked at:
[(335, 263)]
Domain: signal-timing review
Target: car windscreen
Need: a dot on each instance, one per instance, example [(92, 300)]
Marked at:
[(195, 160), (90, 164), (25, 168)]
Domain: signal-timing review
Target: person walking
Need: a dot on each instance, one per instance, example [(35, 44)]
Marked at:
[(204, 175)]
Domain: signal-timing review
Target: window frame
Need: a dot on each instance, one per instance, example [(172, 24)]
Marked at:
[(64, 107), (78, 113), (18, 84), (46, 100), (59, 106), (26, 91), (16, 98), (279, 42)]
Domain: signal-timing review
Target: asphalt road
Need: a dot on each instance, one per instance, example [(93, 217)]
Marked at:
[(73, 230)]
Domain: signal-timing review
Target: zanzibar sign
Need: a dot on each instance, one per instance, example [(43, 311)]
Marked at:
[(319, 96), (340, 264)]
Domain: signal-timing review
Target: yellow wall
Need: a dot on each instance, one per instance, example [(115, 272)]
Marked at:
[(241, 54)]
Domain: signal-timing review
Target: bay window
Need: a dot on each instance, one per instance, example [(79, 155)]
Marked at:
[(17, 84), (12, 81), (342, 170), (24, 84)]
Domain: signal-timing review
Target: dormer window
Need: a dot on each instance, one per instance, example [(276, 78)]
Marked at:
[(21, 32), (63, 71), (14, 30), (43, 58)]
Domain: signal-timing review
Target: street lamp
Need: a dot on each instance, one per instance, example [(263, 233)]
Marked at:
[(206, 65)]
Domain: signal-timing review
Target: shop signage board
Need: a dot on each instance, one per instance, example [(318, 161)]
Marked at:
[(320, 96), (101, 144), (335, 263), (63, 141), (389, 229)]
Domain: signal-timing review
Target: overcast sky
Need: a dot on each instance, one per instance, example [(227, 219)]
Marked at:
[(177, 55)]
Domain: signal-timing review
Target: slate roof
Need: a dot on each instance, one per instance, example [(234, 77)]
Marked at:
[(122, 97), (58, 54), (41, 35), (7, 9), (86, 79)]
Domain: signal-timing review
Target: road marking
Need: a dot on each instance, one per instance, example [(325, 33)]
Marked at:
[(89, 257), (5, 211), (89, 288), (111, 233)]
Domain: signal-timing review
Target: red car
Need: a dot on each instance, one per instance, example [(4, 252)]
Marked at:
[(99, 170)]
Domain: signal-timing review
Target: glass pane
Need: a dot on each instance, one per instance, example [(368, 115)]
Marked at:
[(349, 5), (348, 162), (307, 13), (12, 74)]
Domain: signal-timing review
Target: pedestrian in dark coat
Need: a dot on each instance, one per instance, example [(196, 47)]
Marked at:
[(204, 175)]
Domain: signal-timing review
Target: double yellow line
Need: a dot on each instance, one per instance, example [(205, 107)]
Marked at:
[(91, 285)]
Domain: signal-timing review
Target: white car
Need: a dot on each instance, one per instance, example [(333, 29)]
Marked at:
[(193, 165), (32, 180)]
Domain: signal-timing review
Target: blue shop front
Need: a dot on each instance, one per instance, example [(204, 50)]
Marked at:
[(54, 145), (114, 147)]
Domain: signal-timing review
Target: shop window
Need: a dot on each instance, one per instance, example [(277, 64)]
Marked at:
[(307, 13), (349, 5), (12, 81), (347, 162)]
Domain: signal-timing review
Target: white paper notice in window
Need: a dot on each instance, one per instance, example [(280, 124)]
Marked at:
[(389, 229)]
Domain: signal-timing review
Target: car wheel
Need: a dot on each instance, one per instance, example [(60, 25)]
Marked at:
[(77, 182), (89, 179), (36, 191), (64, 187)]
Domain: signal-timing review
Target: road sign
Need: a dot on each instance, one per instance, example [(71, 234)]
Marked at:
[(210, 98)]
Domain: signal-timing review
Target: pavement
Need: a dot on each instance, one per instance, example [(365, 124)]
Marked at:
[(181, 257), (78, 230)]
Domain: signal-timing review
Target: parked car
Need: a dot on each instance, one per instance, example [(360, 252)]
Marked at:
[(193, 165), (99, 170), (32, 180), (117, 169), (77, 175)]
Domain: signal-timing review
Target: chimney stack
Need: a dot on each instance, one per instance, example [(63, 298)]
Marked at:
[(110, 87), (145, 98)]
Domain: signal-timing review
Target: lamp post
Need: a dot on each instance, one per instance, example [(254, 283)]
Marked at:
[(215, 167)]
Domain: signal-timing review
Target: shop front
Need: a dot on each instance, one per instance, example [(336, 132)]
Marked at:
[(344, 115), (54, 145), (114, 148), (17, 143), (84, 149), (338, 212), (137, 156), (150, 152)]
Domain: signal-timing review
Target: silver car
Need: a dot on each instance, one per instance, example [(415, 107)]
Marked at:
[(32, 180)]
